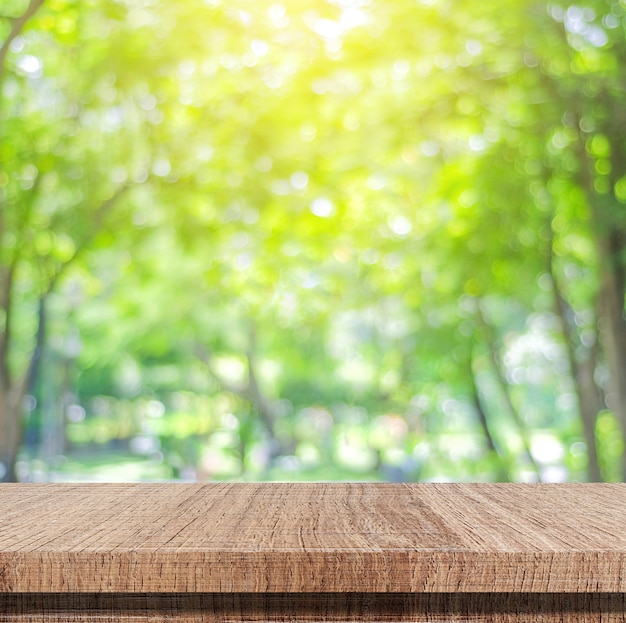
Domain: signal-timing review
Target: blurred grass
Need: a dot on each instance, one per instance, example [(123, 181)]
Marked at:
[(110, 468)]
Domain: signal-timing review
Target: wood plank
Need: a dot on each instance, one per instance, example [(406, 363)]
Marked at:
[(306, 608), (205, 538)]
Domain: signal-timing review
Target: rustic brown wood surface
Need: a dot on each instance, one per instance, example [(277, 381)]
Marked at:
[(312, 538), (323, 552)]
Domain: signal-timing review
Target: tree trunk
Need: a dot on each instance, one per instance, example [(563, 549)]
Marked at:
[(493, 447), (609, 232), (505, 389), (589, 404), (251, 391), (10, 436), (10, 424), (582, 369), (613, 329)]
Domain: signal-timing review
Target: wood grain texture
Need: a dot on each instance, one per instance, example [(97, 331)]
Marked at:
[(235, 538), (305, 608)]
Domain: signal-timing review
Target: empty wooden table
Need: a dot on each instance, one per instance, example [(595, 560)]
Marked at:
[(312, 552)]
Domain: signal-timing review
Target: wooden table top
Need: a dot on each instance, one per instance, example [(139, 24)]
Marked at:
[(358, 537)]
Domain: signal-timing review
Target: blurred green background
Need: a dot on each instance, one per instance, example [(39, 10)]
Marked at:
[(312, 240)]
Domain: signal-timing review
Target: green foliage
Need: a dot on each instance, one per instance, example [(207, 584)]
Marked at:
[(309, 239)]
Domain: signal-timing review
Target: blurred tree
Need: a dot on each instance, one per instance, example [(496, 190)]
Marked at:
[(555, 109), (60, 189), (411, 208)]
